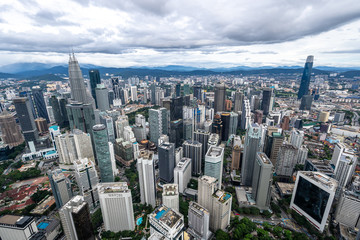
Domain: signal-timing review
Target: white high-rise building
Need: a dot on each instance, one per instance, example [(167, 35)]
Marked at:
[(313, 196), (286, 160), (87, 180), (297, 138), (112, 158), (347, 210), (60, 186), (120, 124), (206, 187), (220, 211), (214, 163), (182, 173), (116, 206), (199, 221), (146, 170), (134, 96), (246, 114), (170, 196), (344, 170), (129, 134)]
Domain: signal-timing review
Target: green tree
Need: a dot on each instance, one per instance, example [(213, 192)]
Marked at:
[(221, 235)]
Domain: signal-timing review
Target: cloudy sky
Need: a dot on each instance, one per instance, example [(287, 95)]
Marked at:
[(203, 33)]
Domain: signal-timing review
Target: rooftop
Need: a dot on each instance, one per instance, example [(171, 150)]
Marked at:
[(264, 158), (17, 221), (208, 179), (166, 215), (145, 154), (322, 179), (183, 162), (170, 190), (113, 187), (198, 207), (222, 196), (214, 151)]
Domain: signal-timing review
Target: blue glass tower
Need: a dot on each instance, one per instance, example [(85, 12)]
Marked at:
[(305, 79)]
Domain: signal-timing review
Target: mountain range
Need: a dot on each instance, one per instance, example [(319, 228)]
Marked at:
[(41, 71)]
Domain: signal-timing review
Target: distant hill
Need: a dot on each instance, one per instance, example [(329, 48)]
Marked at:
[(351, 74), (7, 75)]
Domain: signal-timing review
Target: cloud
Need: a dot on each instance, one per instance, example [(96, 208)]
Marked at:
[(356, 51)]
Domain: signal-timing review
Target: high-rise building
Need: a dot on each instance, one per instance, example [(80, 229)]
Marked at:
[(273, 142), (76, 220), (347, 210), (94, 81), (41, 125), (54, 103), (199, 221), (133, 90), (339, 117), (202, 136), (108, 121), (60, 186), (258, 116), (344, 170), (158, 123), (102, 150), (286, 161), (238, 101), (306, 102), (217, 125), (220, 96), (10, 131), (146, 169), (166, 153), (305, 79), (245, 115), (176, 132), (187, 129), (116, 206), (297, 138), (182, 173), (267, 101), (193, 150), (324, 116), (206, 187), (221, 210), (170, 196), (166, 223), (176, 108), (26, 118), (262, 180), (285, 123), (18, 227), (251, 147), (102, 97), (225, 119), (81, 116), (236, 156), (39, 103), (313, 196), (197, 91), (214, 163), (87, 180)]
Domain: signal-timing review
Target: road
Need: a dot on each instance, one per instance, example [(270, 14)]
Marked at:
[(17, 159)]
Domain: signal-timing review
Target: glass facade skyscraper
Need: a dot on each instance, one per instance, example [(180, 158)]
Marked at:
[(94, 80), (39, 103), (305, 79)]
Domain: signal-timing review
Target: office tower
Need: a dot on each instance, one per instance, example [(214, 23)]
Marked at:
[(344, 170), (124, 151), (50, 112), (347, 210), (94, 81), (139, 128), (26, 118), (339, 117), (62, 104), (170, 196), (306, 102), (102, 151), (18, 227), (324, 116), (214, 140), (152, 95), (166, 153), (273, 142), (262, 180), (54, 132), (77, 84), (120, 124), (146, 169), (166, 223), (236, 156), (207, 185), (193, 150), (258, 116), (238, 101), (220, 211), (208, 125), (109, 124), (39, 103), (220, 96), (305, 79), (176, 132), (225, 119), (116, 206), (245, 115), (178, 90), (286, 161), (197, 91), (60, 186), (158, 123), (316, 165), (133, 90), (298, 124), (255, 103), (182, 173), (41, 125), (285, 123), (297, 138), (178, 154), (202, 136), (214, 163), (251, 147), (81, 116), (313, 196), (187, 129), (10, 131), (54, 103), (228, 105), (76, 220), (217, 126), (186, 89), (87, 180), (102, 97), (176, 108), (302, 154), (199, 221), (267, 101)]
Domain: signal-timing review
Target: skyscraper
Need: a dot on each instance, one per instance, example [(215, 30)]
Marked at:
[(102, 151), (182, 173), (220, 95), (60, 186), (214, 163), (251, 147), (166, 153), (116, 206), (54, 103), (10, 131), (238, 101), (26, 118), (146, 169), (225, 119), (94, 81), (176, 132), (220, 211), (245, 115), (102, 97), (305, 79), (267, 100), (176, 108), (306, 102), (202, 136), (206, 187), (81, 116), (234, 117), (170, 196), (76, 220), (41, 125), (297, 138), (262, 180), (134, 96), (199, 221), (158, 123), (286, 160), (344, 170), (193, 150), (236, 156), (39, 103)]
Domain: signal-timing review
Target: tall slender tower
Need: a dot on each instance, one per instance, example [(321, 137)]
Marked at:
[(305, 80), (219, 103), (94, 80), (39, 103)]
